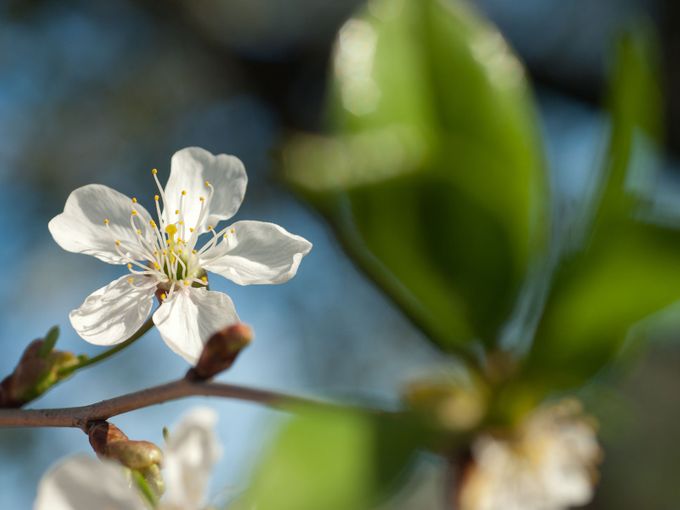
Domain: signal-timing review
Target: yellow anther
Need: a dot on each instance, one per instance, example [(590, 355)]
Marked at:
[(187, 283), (139, 232), (156, 198), (156, 265), (180, 223), (134, 213), (194, 252), (163, 296), (210, 227), (191, 229), (154, 171), (232, 230), (202, 199), (176, 211), (129, 266), (171, 230), (165, 252), (131, 279), (184, 192), (106, 221), (117, 242), (152, 223), (204, 279), (208, 183), (134, 200)]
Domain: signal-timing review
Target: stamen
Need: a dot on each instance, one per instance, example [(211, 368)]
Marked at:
[(106, 221), (171, 229), (213, 242), (161, 192), (200, 282), (134, 200), (144, 243), (185, 269)]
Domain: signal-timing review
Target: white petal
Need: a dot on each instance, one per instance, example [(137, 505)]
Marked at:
[(81, 229), (85, 483), (189, 170), (188, 319), (191, 452), (113, 313), (257, 252)]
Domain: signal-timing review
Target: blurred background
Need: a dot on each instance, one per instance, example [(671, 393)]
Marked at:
[(104, 91)]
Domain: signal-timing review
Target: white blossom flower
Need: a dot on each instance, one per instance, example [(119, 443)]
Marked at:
[(547, 464), (86, 483), (165, 257)]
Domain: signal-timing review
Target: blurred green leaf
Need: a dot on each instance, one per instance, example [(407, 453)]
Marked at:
[(434, 178), (627, 267), (333, 460)]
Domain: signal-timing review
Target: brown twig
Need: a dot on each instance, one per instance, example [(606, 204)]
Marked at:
[(79, 417)]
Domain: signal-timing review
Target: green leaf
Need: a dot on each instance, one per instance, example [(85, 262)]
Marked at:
[(627, 267), (433, 178), (335, 460)]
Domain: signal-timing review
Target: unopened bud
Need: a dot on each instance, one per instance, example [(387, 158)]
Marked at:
[(135, 454), (143, 458), (103, 433), (109, 441), (39, 368), (220, 351)]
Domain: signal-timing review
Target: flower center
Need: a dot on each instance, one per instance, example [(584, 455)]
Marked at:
[(166, 251)]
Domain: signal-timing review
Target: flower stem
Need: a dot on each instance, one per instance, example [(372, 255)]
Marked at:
[(110, 352)]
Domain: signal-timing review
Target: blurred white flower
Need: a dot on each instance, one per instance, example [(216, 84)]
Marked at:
[(85, 483), (549, 463), (164, 257)]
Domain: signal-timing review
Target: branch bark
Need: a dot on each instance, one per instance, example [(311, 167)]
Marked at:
[(79, 417)]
